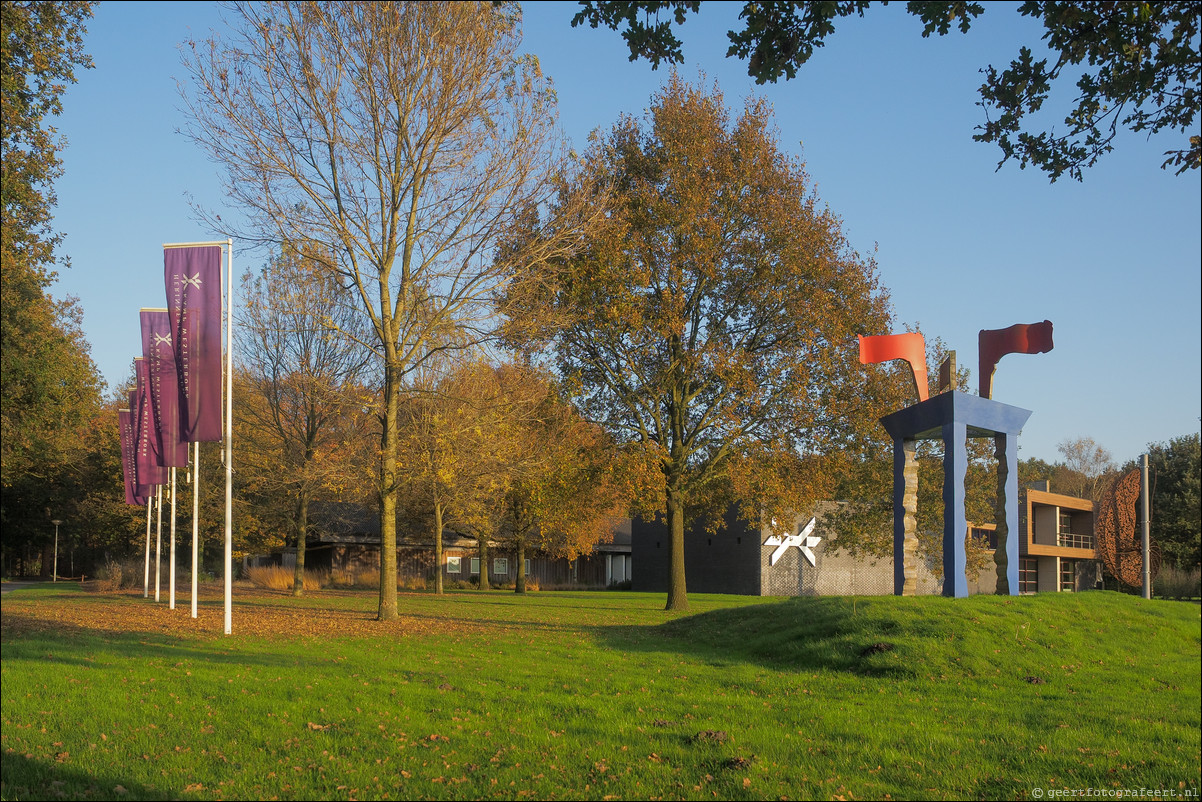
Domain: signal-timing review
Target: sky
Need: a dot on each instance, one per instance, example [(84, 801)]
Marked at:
[(883, 120)]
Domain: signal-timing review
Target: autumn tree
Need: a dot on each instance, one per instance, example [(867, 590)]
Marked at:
[(1136, 66), (404, 137), (451, 463), (50, 390), (715, 312), (566, 489), (304, 399)]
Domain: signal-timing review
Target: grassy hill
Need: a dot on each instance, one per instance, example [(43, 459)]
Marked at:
[(598, 695)]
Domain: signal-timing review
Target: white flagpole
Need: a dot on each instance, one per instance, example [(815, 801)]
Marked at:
[(195, 517), (158, 542), (229, 441), (171, 581), (146, 575), (227, 435)]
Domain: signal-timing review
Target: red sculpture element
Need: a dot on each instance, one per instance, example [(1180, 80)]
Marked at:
[(910, 347), (1119, 544), (1021, 338)]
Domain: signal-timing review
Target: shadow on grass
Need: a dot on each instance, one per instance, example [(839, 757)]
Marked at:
[(27, 777), (27, 638), (834, 634)]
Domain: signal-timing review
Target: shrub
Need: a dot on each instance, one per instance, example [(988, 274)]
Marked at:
[(116, 575), (1175, 583), (412, 583), (276, 577)]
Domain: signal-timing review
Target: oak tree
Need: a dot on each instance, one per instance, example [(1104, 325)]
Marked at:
[(715, 312), (1136, 65)]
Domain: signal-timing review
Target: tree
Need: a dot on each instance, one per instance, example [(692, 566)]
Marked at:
[(566, 489), (1086, 465), (303, 401), (451, 443), (1176, 469), (1138, 64), (49, 387), (714, 313), (404, 137)]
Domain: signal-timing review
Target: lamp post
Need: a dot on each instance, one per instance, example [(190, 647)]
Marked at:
[(55, 574)]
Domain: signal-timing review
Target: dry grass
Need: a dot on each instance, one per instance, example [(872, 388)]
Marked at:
[(275, 577)]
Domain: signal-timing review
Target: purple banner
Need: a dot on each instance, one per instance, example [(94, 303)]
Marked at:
[(126, 429), (149, 472), (193, 281), (163, 383)]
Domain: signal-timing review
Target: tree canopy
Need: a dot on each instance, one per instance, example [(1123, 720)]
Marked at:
[(403, 137), (713, 315), (1136, 66), (50, 390)]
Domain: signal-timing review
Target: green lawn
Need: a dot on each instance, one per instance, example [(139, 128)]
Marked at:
[(597, 695)]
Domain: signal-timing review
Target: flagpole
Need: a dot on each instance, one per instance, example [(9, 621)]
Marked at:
[(229, 441), (228, 427), (195, 516), (171, 582), (158, 542), (146, 575)]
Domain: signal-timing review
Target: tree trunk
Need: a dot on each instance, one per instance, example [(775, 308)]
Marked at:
[(520, 585), (484, 585), (388, 496), (677, 596), (302, 533), (437, 547)]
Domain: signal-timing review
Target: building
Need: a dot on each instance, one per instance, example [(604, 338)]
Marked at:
[(1057, 552), (350, 549)]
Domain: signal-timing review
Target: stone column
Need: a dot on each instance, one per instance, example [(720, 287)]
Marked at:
[(905, 510)]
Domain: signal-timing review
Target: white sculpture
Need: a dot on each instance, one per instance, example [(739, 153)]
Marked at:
[(802, 540)]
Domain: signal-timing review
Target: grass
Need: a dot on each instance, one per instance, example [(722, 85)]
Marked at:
[(597, 695)]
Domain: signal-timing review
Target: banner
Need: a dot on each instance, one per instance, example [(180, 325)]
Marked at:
[(148, 470), (1021, 338), (193, 282), (909, 346), (134, 494), (162, 379)]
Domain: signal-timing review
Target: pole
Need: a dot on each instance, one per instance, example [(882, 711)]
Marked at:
[(195, 517), (1145, 526), (229, 442), (158, 542), (171, 581), (54, 574), (146, 575)]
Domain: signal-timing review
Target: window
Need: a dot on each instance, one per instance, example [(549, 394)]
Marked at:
[(1068, 575), (454, 565), (500, 566), (475, 565), (986, 537), (527, 566), (1028, 575)]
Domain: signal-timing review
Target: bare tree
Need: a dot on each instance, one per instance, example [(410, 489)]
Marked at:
[(404, 137), (1087, 463)]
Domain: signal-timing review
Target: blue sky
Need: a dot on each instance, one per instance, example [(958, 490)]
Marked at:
[(883, 120)]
